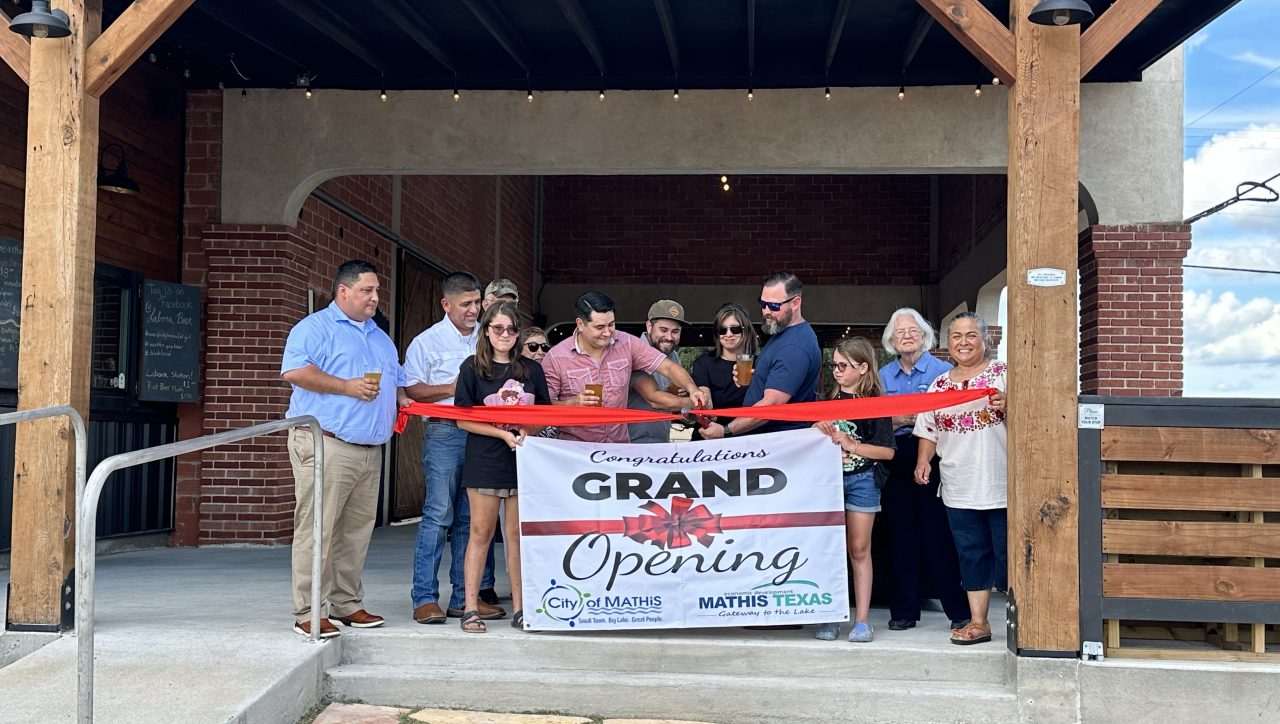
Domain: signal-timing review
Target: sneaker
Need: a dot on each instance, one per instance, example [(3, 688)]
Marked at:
[(327, 629), (828, 632), (489, 596), (901, 624), (862, 633)]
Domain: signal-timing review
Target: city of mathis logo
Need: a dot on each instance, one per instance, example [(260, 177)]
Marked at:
[(563, 602)]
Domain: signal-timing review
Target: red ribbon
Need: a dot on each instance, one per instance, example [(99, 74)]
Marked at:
[(860, 408), (672, 530), (727, 522)]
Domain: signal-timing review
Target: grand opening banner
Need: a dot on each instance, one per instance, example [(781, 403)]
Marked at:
[(745, 531)]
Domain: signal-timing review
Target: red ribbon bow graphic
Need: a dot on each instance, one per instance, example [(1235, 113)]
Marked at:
[(672, 530)]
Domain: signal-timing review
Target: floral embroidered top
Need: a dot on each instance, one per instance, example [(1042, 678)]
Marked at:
[(972, 443)]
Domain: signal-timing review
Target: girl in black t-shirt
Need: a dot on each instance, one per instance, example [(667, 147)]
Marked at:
[(496, 375), (864, 444)]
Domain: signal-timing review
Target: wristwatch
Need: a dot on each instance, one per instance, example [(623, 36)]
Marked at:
[(727, 432)]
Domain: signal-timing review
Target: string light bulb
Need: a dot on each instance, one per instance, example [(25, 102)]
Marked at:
[(828, 92), (530, 96), (456, 97), (724, 179), (602, 95), (977, 91), (675, 94), (725, 187), (383, 96), (307, 94), (751, 94), (902, 92), (995, 80)]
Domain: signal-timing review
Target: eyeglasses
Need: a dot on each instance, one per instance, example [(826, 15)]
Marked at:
[(775, 306), (502, 331), (839, 366), (534, 346), (913, 332), (731, 329)]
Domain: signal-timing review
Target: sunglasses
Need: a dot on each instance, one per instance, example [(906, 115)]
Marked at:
[(502, 331), (775, 306), (731, 329), (839, 366), (534, 346)]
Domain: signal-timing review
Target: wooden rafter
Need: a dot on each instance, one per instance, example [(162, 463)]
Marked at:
[(501, 29), (577, 18), (923, 25), (323, 19), (231, 20), (1109, 29), (418, 30), (979, 32), (837, 29), (751, 38), (15, 50), (120, 45), (668, 23)]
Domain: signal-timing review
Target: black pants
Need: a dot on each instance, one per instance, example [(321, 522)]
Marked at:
[(922, 551)]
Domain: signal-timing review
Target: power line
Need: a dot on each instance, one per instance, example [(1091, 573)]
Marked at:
[(1231, 268), (1237, 94)]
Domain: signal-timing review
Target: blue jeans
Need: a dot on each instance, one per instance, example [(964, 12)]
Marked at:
[(981, 544), (446, 514)]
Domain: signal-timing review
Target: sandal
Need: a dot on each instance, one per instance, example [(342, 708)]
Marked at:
[(471, 622), (517, 620), (972, 634)]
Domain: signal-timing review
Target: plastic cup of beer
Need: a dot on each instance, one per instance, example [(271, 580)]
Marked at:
[(745, 365), (374, 375), (596, 389)]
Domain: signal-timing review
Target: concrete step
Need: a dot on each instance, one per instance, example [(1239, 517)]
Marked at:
[(800, 694), (729, 652)]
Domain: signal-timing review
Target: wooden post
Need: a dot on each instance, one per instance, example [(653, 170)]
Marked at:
[(57, 310), (1044, 158)]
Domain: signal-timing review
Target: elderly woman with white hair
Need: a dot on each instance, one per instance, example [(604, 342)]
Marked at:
[(921, 550)]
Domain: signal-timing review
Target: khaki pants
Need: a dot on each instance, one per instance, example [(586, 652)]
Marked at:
[(350, 505)]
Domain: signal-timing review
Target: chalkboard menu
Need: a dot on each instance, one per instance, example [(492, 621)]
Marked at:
[(10, 307), (170, 342)]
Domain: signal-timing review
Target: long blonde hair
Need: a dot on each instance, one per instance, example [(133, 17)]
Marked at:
[(859, 351)]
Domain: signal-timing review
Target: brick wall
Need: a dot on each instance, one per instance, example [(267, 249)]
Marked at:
[(1131, 309), (969, 208), (653, 229)]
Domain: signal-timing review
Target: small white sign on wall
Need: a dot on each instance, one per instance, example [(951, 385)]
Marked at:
[(1091, 417), (1046, 277)]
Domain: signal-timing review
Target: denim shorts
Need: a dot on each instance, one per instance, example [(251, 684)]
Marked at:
[(860, 492)]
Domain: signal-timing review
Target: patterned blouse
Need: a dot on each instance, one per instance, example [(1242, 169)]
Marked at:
[(972, 442)]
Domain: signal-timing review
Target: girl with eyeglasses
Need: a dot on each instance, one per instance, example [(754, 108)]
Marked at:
[(496, 374), (713, 371), (865, 444), (533, 345)]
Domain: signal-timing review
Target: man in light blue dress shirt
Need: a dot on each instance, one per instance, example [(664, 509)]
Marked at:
[(344, 371)]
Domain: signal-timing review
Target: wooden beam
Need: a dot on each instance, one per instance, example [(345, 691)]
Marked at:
[(335, 28), (581, 24), (923, 25), (57, 311), (1110, 28), (751, 39), (1044, 495), (1195, 583), (232, 20), (15, 50), (979, 32), (1189, 492), (501, 29), (1191, 445), (1191, 538), (121, 44), (418, 30), (668, 23), (838, 21)]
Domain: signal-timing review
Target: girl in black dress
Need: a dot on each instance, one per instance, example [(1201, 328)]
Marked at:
[(713, 371), (496, 375)]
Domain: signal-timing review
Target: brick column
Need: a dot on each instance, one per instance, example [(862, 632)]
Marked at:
[(202, 183), (257, 290), (1131, 309)]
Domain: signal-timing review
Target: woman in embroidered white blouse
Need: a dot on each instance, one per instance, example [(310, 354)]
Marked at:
[(971, 442)]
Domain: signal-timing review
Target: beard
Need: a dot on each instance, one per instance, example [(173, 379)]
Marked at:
[(778, 323)]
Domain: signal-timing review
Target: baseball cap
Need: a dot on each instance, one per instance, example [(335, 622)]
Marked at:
[(667, 309), (501, 288)]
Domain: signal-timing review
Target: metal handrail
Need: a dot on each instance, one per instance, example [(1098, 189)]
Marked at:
[(87, 524), (77, 426)]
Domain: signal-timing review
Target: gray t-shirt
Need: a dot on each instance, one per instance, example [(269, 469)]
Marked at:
[(646, 432)]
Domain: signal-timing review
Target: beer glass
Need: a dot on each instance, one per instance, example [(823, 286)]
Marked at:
[(596, 389), (744, 369)]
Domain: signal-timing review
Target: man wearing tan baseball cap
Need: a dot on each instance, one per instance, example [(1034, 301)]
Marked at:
[(662, 329), (500, 290)]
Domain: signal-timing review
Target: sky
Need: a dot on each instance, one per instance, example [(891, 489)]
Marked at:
[(1232, 319)]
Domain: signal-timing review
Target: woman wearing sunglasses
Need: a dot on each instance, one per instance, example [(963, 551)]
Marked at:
[(495, 374), (533, 345), (713, 371)]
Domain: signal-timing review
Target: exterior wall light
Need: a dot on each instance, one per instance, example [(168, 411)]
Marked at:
[(42, 22), (1060, 12)]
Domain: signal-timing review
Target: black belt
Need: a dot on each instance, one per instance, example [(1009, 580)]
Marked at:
[(335, 437), (443, 421)]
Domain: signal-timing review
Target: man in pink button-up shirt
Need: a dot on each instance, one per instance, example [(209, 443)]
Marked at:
[(598, 353)]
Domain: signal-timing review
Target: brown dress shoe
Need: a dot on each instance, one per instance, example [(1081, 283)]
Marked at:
[(488, 612), (327, 629), (361, 619), (429, 612)]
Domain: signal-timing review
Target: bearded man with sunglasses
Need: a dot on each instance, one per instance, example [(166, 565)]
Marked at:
[(789, 366)]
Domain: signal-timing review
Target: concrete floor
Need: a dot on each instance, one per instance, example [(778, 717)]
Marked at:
[(205, 634)]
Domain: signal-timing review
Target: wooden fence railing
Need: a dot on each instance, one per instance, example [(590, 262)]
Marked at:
[(1180, 529)]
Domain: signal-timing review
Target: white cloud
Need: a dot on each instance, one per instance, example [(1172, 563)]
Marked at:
[(1196, 41), (1248, 154), (1244, 253), (1221, 329), (1237, 380), (1251, 58)]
